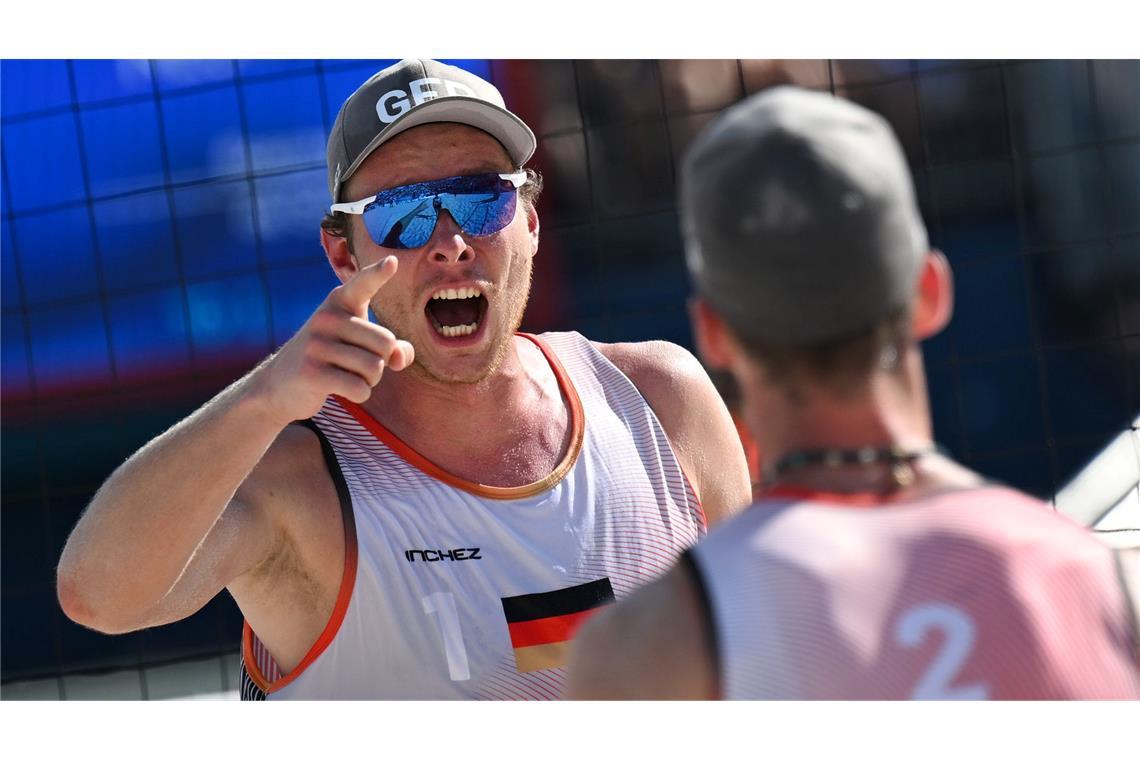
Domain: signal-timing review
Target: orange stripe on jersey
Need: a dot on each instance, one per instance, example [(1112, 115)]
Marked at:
[(420, 462), (547, 630), (257, 671)]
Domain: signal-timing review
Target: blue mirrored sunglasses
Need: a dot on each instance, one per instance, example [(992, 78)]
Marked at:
[(404, 217)]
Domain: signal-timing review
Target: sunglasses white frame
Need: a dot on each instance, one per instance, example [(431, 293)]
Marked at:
[(518, 179)]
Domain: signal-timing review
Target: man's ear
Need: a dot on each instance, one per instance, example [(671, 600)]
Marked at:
[(339, 254), (934, 302), (714, 344), (532, 226)]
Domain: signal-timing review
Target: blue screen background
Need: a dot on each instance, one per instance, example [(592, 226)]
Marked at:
[(159, 223)]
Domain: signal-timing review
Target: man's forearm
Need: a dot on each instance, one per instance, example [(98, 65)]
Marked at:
[(140, 531)]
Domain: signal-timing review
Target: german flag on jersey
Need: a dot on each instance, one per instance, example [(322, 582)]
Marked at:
[(541, 625)]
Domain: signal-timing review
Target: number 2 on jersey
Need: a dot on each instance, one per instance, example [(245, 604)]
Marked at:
[(957, 642), (442, 605)]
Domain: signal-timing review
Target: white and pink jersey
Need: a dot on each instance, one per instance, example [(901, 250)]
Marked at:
[(454, 589), (968, 594)]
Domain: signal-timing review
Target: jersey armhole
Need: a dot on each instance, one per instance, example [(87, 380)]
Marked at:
[(260, 674), (687, 563)]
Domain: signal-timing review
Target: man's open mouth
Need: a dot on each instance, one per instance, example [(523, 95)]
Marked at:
[(455, 312)]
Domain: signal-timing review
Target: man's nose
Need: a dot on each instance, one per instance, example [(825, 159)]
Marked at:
[(448, 244)]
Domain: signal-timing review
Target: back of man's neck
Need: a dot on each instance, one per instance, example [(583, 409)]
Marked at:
[(846, 432), (924, 475)]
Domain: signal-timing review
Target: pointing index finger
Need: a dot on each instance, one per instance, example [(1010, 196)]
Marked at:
[(358, 291)]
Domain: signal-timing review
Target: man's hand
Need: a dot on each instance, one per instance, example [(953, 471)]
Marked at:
[(151, 548), (337, 351)]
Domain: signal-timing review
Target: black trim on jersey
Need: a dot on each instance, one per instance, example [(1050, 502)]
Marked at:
[(564, 601), (687, 562), (1129, 588), (250, 691), (333, 467)]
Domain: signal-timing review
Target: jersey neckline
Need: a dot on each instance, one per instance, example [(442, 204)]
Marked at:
[(422, 463)]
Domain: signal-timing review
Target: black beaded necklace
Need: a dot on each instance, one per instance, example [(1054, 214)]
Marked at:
[(901, 461)]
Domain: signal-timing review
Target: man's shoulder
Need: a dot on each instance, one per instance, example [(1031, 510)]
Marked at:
[(289, 470), (297, 444), (658, 368), (654, 366)]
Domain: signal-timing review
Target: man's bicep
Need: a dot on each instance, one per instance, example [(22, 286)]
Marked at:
[(239, 541), (246, 535)]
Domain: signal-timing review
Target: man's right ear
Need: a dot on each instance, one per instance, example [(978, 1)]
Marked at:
[(934, 300), (711, 334), (339, 254)]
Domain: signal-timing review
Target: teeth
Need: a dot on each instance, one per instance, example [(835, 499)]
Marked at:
[(452, 293), (454, 331)]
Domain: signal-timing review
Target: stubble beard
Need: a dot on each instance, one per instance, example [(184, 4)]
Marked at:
[(423, 368)]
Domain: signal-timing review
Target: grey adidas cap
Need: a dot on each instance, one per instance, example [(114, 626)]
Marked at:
[(414, 92), (799, 217)]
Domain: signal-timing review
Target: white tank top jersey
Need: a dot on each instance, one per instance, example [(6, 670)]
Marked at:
[(967, 594), (456, 590)]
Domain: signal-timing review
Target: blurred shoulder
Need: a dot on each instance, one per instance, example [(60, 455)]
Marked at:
[(618, 654)]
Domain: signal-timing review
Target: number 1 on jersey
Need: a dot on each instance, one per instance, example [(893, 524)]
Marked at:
[(442, 605)]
